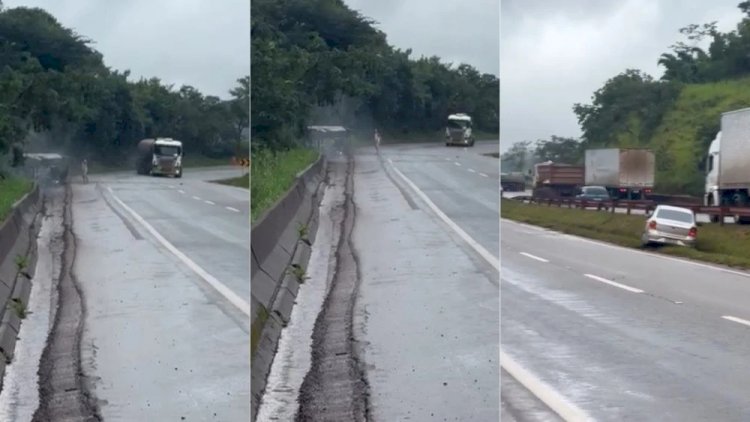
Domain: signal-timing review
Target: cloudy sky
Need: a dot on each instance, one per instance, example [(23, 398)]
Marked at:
[(459, 31), (202, 43), (557, 53)]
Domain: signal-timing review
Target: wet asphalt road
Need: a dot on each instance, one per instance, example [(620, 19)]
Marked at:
[(623, 334), (159, 343), (427, 313)]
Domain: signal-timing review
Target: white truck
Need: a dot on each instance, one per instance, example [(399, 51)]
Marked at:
[(160, 156), (626, 173), (458, 130), (728, 163)]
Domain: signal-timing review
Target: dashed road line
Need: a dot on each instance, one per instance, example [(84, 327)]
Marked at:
[(210, 203), (528, 255), (196, 198), (181, 191), (483, 175), (457, 163), (737, 320), (220, 287), (472, 171), (232, 209), (614, 283)]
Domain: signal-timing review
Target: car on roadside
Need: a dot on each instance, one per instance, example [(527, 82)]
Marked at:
[(669, 225), (594, 194)]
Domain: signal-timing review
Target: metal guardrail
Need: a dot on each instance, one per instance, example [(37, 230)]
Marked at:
[(630, 205)]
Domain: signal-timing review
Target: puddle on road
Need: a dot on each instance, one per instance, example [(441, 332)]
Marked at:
[(292, 361), (20, 395)]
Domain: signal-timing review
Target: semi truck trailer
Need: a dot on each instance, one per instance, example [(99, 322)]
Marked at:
[(728, 163), (626, 173), (556, 180)]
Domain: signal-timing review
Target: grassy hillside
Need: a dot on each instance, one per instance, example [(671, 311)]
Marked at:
[(682, 139)]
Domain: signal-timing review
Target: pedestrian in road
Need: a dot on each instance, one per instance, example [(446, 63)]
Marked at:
[(377, 141), (85, 170)]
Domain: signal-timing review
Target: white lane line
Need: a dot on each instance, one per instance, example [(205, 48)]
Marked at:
[(447, 159), (181, 191), (457, 163), (484, 253), (738, 320), (614, 283), (223, 290), (472, 171), (232, 209), (635, 251), (172, 187), (559, 404), (483, 175), (550, 397), (528, 255), (196, 198), (210, 203)]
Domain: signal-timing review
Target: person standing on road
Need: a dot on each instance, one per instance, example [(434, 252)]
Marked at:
[(377, 141), (85, 170)]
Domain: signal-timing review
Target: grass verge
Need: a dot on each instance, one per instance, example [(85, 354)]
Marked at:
[(11, 190), (256, 329), (271, 175), (728, 245)]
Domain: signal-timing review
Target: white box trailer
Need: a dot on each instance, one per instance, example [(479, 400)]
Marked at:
[(728, 162), (627, 173)]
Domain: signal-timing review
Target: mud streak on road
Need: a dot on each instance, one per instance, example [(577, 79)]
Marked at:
[(335, 388), (63, 393)]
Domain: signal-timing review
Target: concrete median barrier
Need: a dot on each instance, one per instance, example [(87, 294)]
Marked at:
[(280, 252), (17, 262)]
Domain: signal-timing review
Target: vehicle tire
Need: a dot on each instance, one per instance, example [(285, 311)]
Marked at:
[(471, 144), (741, 220), (178, 175)]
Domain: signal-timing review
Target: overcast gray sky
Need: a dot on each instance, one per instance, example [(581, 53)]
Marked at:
[(458, 31), (557, 53), (202, 43)]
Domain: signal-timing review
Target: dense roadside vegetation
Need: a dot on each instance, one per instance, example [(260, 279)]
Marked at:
[(677, 115), (725, 245), (56, 94), (320, 62)]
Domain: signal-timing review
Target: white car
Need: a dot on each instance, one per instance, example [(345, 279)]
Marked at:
[(669, 225)]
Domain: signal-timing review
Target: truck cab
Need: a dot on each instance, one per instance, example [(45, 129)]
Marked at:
[(458, 130), (160, 156), (713, 195)]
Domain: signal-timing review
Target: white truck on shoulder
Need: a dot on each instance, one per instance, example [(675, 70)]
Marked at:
[(728, 163), (458, 130)]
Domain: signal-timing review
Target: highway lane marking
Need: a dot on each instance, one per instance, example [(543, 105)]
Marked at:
[(196, 198), (549, 396), (614, 283), (232, 209), (472, 171), (483, 175), (555, 401), (181, 191), (457, 163), (484, 253), (210, 203), (220, 287), (528, 255), (737, 320), (171, 187), (611, 246), (545, 393)]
